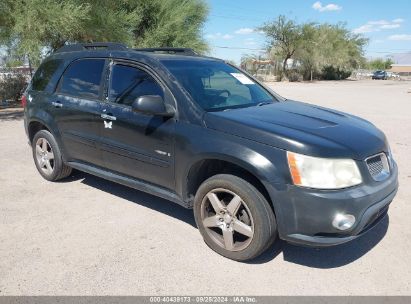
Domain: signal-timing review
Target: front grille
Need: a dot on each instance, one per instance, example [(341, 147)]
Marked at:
[(375, 165), (378, 166)]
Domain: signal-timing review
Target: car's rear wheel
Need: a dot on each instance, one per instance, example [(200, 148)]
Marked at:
[(234, 218), (47, 157)]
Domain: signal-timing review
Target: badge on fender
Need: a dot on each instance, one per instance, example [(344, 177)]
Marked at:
[(108, 124)]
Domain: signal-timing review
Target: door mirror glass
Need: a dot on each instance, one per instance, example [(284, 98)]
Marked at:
[(152, 104)]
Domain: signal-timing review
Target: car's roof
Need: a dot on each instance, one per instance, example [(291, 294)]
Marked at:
[(139, 54), (163, 56)]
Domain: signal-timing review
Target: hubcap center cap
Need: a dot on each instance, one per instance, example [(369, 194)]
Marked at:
[(227, 218)]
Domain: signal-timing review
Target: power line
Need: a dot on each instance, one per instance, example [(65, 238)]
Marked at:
[(231, 7), (381, 50), (237, 48), (244, 18), (262, 50), (256, 49)]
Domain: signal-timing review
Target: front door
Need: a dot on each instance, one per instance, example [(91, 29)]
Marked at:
[(136, 144)]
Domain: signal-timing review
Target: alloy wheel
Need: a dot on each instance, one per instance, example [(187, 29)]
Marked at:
[(227, 219), (44, 156)]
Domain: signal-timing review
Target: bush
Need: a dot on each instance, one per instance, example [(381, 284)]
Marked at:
[(306, 73), (294, 76), (12, 87), (332, 73)]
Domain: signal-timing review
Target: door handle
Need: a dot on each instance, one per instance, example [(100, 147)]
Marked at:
[(57, 104), (108, 117)]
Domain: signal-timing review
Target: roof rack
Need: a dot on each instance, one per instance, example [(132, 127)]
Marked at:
[(168, 50), (111, 46)]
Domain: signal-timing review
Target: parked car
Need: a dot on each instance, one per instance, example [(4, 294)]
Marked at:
[(202, 133), (380, 75), (394, 76)]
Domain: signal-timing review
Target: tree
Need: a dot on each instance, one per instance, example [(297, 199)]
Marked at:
[(285, 37), (33, 27), (173, 23), (329, 48), (316, 49), (308, 54), (380, 64)]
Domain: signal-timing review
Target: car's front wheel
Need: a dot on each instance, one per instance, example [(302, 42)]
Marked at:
[(47, 157), (234, 218)]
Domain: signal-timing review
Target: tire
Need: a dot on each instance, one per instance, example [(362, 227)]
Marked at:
[(227, 205), (47, 157)]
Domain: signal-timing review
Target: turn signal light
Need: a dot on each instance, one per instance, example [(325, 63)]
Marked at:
[(295, 174)]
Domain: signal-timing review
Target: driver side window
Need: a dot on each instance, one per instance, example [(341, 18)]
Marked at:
[(127, 83)]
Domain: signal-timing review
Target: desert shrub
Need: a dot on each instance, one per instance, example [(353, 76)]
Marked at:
[(306, 73), (12, 86), (294, 76), (332, 73)]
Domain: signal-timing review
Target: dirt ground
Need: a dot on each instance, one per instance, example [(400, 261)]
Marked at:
[(88, 236)]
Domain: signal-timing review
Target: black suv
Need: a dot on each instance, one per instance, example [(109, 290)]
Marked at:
[(380, 75), (202, 133)]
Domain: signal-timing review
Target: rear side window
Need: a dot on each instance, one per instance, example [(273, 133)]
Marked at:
[(44, 74), (128, 83), (83, 78)]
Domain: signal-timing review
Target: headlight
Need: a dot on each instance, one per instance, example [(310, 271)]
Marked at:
[(323, 173)]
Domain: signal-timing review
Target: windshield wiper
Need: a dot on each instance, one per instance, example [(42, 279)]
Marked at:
[(263, 103)]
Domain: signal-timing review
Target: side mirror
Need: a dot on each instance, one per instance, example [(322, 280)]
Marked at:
[(152, 104)]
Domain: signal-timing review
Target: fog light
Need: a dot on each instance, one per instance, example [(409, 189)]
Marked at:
[(343, 221)]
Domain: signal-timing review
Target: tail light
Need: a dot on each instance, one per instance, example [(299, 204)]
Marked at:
[(24, 101)]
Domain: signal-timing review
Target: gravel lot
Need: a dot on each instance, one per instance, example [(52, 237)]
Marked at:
[(88, 236)]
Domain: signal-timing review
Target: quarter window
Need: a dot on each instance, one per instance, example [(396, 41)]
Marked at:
[(128, 83), (83, 78), (44, 74)]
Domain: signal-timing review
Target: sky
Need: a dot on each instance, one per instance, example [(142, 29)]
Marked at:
[(230, 28)]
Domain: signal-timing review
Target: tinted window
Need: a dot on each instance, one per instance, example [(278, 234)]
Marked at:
[(44, 74), (83, 77), (223, 83), (216, 86), (128, 83)]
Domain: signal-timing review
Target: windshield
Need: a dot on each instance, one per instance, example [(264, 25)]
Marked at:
[(217, 86)]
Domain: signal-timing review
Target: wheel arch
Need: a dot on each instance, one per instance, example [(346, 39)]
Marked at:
[(206, 167), (44, 121), (34, 127)]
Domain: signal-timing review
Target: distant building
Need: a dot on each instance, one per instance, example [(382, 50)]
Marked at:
[(401, 69), (23, 70), (402, 64)]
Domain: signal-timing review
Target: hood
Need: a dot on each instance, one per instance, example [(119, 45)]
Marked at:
[(302, 128)]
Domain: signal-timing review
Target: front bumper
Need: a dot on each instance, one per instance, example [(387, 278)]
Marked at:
[(304, 216)]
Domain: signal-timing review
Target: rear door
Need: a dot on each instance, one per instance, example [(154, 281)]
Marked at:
[(77, 109), (136, 144)]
